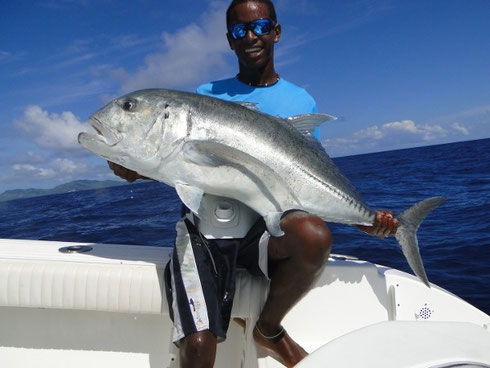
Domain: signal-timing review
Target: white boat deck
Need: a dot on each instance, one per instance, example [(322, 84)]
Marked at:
[(107, 307)]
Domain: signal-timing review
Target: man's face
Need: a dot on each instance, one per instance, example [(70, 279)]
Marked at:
[(253, 51)]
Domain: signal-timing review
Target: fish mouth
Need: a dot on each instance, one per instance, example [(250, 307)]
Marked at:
[(108, 136)]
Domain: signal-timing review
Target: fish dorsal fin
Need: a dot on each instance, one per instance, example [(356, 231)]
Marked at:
[(306, 123), (249, 105)]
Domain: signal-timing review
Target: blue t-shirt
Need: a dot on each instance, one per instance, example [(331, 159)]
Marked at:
[(282, 99)]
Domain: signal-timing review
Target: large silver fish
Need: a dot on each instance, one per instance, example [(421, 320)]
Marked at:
[(200, 145)]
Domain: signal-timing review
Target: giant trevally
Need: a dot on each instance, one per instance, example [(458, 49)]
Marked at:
[(200, 144)]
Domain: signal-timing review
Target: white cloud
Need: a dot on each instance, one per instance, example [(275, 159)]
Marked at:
[(46, 173), (26, 171), (75, 60), (65, 166), (431, 132), (58, 170), (404, 126), (460, 128), (371, 132), (23, 167), (394, 135), (426, 132), (127, 41), (190, 55), (50, 130)]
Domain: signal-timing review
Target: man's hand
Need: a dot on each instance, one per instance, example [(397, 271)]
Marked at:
[(123, 173), (384, 225)]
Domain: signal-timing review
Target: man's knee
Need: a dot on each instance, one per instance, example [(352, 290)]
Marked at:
[(311, 235), (198, 349), (317, 242)]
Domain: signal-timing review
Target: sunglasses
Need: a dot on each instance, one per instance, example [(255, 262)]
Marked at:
[(259, 27)]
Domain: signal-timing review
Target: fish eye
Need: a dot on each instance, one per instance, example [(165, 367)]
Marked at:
[(128, 105)]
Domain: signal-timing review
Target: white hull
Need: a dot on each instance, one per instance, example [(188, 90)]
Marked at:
[(107, 308)]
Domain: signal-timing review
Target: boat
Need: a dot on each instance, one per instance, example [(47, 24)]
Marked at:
[(103, 305)]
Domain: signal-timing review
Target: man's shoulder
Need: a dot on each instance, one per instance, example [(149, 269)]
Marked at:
[(219, 87), (290, 87), (295, 99)]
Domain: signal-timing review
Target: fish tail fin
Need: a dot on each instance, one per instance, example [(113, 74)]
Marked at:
[(406, 235)]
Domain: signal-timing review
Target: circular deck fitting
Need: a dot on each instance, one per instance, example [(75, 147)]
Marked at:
[(75, 249)]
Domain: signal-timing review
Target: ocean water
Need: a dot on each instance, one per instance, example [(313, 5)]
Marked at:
[(454, 240)]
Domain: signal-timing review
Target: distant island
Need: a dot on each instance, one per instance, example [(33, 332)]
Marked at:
[(74, 186)]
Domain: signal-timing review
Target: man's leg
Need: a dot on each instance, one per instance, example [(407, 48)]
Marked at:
[(194, 303), (298, 257), (198, 350)]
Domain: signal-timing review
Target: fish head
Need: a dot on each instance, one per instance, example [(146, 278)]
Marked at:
[(132, 129)]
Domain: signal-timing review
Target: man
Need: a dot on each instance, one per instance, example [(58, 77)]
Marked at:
[(201, 309)]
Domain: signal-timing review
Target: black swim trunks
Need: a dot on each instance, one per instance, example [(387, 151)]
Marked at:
[(200, 277)]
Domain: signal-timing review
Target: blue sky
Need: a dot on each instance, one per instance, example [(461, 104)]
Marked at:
[(399, 73)]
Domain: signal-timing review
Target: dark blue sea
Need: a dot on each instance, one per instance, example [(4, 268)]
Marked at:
[(454, 240)]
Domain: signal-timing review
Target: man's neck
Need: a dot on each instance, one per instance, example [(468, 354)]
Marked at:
[(258, 77)]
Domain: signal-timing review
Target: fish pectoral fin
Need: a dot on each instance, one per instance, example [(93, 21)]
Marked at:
[(264, 179), (190, 196), (200, 154), (272, 221), (210, 153), (306, 123)]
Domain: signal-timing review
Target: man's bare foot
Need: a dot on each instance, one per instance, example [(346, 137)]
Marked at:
[(281, 347)]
